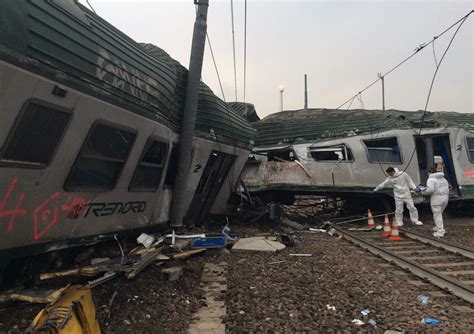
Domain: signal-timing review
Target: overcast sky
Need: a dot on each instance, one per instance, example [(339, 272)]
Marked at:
[(340, 45)]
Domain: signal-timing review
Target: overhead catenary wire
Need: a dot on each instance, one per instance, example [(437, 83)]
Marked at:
[(434, 53), (460, 22), (233, 46), (92, 8), (433, 81), (215, 66), (418, 49)]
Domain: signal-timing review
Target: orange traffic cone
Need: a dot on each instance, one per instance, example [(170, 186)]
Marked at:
[(370, 220), (395, 236), (386, 227)]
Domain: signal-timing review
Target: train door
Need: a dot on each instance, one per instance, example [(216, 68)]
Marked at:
[(214, 174), (435, 151)]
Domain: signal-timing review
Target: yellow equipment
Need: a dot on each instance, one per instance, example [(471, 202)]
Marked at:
[(73, 313)]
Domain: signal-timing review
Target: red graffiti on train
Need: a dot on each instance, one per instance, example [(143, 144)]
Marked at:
[(17, 211), (46, 213)]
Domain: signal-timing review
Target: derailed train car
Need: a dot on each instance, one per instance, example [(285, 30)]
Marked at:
[(89, 126), (344, 153)]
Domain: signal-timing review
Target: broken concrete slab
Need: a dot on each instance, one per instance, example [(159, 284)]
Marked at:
[(259, 244)]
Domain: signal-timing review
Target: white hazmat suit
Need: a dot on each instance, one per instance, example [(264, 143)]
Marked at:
[(437, 188), (401, 183)]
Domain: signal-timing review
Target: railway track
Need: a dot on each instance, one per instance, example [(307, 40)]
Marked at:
[(445, 265)]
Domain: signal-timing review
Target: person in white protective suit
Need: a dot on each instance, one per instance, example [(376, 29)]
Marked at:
[(437, 187), (401, 183)]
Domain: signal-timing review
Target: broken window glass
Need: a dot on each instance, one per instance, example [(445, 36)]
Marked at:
[(35, 136), (101, 159), (470, 148), (147, 176), (331, 153), (384, 150)]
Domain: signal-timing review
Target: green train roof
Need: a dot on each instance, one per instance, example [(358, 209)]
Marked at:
[(324, 124), (65, 42), (246, 110)]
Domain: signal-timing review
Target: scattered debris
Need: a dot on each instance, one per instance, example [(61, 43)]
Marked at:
[(181, 244), (146, 240), (330, 307), (303, 255), (107, 277), (430, 321), (186, 254), (109, 305), (84, 271), (357, 322), (331, 231), (372, 323), (258, 244), (209, 242), (99, 260), (34, 295), (294, 225), (171, 274), (288, 241), (423, 299), (145, 260), (365, 311), (73, 312), (317, 230)]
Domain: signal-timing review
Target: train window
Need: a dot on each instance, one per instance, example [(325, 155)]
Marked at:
[(384, 150), (35, 136), (101, 159), (470, 148), (147, 176), (331, 153)]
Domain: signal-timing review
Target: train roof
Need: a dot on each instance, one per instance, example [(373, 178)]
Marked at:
[(293, 126), (246, 110), (66, 42)]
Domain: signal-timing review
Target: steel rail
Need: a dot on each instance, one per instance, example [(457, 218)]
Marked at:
[(442, 281), (458, 249)]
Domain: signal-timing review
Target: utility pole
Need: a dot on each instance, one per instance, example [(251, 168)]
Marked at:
[(189, 113), (383, 89), (282, 89), (305, 92)]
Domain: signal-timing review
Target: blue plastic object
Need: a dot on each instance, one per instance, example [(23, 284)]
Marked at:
[(214, 241), (430, 321), (210, 242)]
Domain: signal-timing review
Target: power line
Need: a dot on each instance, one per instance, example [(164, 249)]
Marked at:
[(418, 49), (91, 6), (215, 66), (233, 47), (245, 48), (433, 80)]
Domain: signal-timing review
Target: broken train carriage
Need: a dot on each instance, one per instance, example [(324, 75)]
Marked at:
[(344, 153), (90, 122)]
